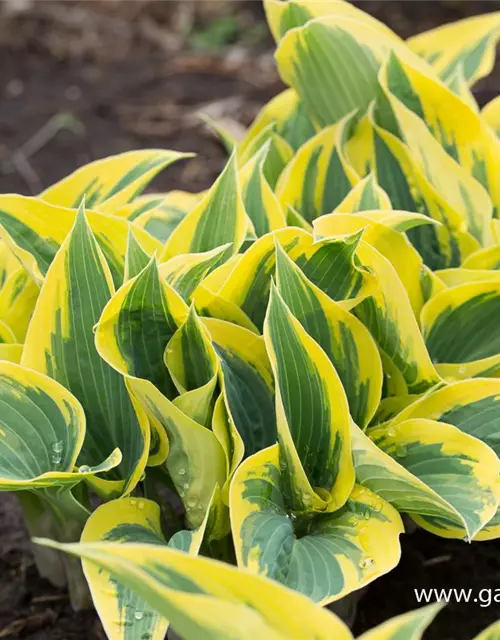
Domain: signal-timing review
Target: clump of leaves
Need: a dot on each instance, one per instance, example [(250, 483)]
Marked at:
[(271, 373)]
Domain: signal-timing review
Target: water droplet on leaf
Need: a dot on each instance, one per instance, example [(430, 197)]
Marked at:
[(84, 469), (138, 615), (366, 562), (401, 450)]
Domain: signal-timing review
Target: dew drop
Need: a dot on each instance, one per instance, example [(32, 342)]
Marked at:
[(181, 472), (366, 562), (140, 505), (84, 469), (191, 503), (401, 451), (58, 446), (461, 369), (133, 502), (138, 615), (185, 486), (391, 432), (388, 376), (55, 458), (377, 507)]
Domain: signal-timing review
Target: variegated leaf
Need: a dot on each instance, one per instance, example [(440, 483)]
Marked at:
[(219, 218), (325, 556), (409, 626), (111, 182), (60, 343), (42, 430), (209, 600), (343, 337), (312, 415), (470, 42)]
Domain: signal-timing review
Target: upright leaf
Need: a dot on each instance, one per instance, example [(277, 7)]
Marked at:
[(192, 364), (60, 343), (388, 316), (246, 381), (454, 124), (131, 336), (377, 231), (367, 195), (319, 176), (261, 204), (343, 337), (219, 218), (332, 63), (312, 415), (248, 283), (136, 259), (282, 17), (286, 114)]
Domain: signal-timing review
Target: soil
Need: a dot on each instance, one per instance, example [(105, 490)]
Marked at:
[(79, 81)]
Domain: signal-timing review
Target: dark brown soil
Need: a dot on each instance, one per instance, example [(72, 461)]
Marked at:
[(119, 81)]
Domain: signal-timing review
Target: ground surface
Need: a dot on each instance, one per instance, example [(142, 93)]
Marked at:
[(119, 79)]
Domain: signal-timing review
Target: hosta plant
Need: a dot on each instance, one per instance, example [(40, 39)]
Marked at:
[(272, 373)]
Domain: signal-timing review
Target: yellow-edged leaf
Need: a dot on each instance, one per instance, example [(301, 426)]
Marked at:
[(342, 550), (60, 343)]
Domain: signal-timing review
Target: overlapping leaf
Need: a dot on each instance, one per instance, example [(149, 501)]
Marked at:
[(460, 328), (409, 626), (42, 431), (319, 176), (332, 63), (209, 600), (342, 336), (132, 335), (124, 614), (470, 43), (111, 182), (324, 557), (312, 415), (34, 230), (219, 218), (60, 343)]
